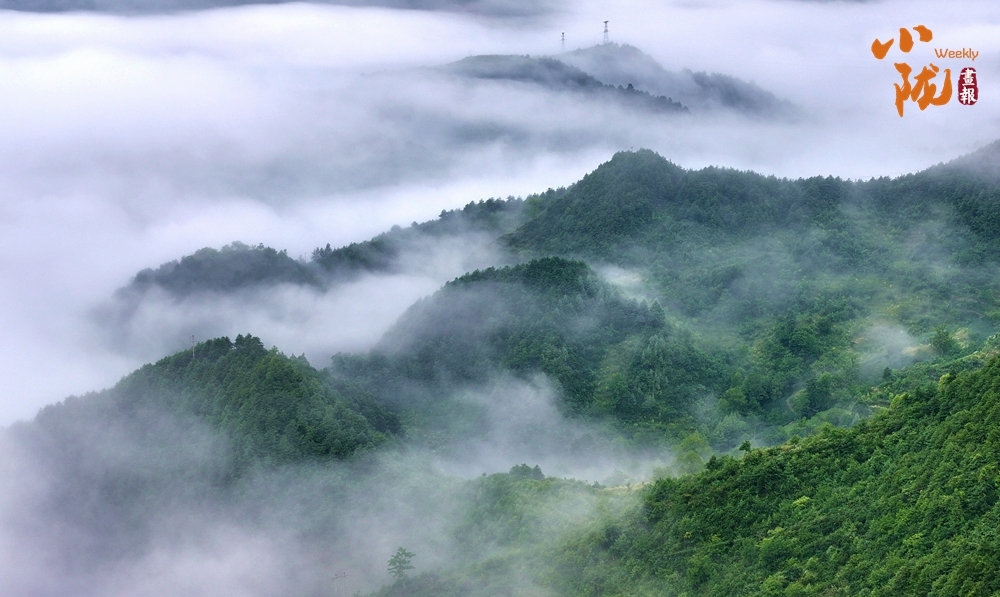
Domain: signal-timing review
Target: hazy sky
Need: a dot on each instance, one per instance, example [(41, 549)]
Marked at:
[(127, 141)]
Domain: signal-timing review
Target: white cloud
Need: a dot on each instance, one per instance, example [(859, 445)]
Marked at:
[(129, 141)]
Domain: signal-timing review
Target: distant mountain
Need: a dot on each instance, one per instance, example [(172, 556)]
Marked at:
[(625, 74), (555, 75), (229, 269), (982, 165), (803, 291), (237, 266), (624, 65)]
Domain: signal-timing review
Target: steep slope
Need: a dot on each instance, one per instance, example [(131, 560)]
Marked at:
[(906, 503), (182, 453), (903, 504)]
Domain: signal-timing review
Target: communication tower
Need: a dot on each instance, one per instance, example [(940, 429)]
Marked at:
[(564, 42), (607, 40), (336, 584)]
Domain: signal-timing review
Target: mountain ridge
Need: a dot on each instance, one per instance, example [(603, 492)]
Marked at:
[(815, 361), (622, 64)]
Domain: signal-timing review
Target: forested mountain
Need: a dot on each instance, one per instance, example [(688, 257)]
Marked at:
[(198, 444), (556, 75), (777, 299), (904, 503), (237, 266), (610, 356), (786, 299), (231, 268), (813, 365), (622, 64), (625, 74), (270, 409)]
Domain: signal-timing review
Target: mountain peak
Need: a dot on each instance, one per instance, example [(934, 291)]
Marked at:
[(622, 64)]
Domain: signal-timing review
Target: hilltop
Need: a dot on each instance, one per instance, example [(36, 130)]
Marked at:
[(812, 363)]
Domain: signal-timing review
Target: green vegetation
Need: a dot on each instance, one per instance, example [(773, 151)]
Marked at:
[(779, 288), (610, 355), (271, 408), (492, 216), (851, 325), (399, 563), (238, 266), (507, 531), (235, 266), (905, 503), (771, 295)]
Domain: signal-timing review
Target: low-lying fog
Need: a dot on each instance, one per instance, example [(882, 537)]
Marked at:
[(133, 140), (113, 505)]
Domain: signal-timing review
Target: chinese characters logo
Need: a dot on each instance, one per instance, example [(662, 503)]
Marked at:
[(968, 88), (921, 90)]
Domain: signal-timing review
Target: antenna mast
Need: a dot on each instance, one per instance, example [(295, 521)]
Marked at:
[(606, 39), (336, 586)]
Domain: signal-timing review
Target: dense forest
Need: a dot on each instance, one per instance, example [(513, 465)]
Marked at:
[(238, 266), (902, 503), (812, 365), (272, 409)]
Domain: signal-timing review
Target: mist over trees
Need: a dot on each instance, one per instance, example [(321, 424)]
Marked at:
[(623, 64), (237, 266), (811, 364), (554, 74), (769, 296)]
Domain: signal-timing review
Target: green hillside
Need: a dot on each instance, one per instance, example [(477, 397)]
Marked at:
[(777, 302), (905, 503), (271, 409), (237, 266), (796, 273), (814, 364), (611, 356)]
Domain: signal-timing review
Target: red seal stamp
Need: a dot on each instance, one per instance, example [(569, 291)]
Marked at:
[(968, 86)]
